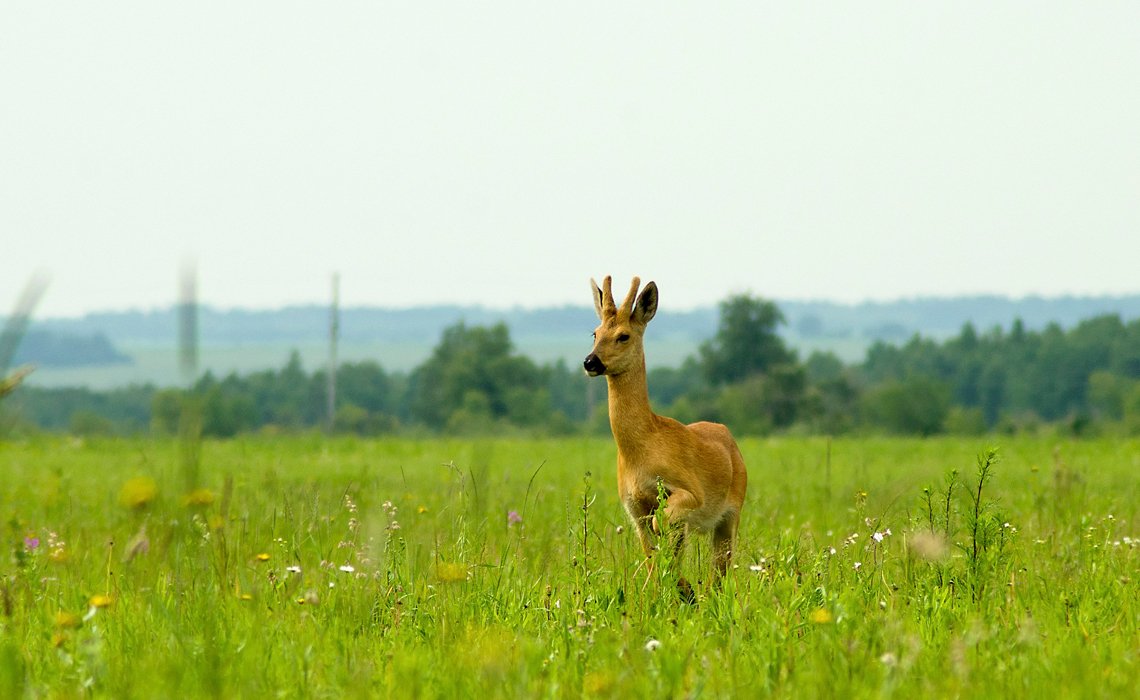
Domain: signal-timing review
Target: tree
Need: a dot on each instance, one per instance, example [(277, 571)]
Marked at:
[(746, 342), (473, 369)]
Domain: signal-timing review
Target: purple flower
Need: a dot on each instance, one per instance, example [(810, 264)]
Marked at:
[(513, 517), (31, 543)]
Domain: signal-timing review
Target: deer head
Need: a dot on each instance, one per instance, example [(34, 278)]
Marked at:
[(618, 345)]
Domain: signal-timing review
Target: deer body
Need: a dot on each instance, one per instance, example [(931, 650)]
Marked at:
[(699, 465)]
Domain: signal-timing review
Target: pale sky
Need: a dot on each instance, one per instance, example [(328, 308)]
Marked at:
[(504, 153)]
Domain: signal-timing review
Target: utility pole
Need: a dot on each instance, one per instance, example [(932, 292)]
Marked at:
[(190, 424), (334, 332)]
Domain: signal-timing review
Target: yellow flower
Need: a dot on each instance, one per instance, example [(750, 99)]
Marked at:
[(421, 510), (58, 639), (101, 601), (65, 620), (262, 557), (198, 497), (138, 492), (451, 572), (245, 596), (820, 616)]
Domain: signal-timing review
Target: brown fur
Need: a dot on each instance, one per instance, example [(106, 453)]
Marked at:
[(699, 465)]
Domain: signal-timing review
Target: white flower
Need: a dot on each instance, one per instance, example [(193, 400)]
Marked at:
[(652, 645), (878, 537), (293, 569), (858, 564), (347, 568), (756, 567), (831, 550), (888, 659)]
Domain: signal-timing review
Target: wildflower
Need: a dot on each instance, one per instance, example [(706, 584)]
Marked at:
[(756, 567), (878, 537), (198, 497), (451, 572), (66, 620), (31, 543), (347, 568), (831, 551), (100, 601), (421, 510), (652, 645), (889, 659), (245, 596), (619, 529), (262, 556), (138, 492), (858, 564), (820, 616), (513, 518), (293, 569), (929, 546)]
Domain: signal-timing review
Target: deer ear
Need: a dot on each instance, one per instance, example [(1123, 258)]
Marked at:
[(646, 306), (598, 300)]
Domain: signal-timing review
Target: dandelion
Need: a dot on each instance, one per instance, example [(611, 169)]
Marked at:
[(820, 616), (262, 556), (100, 601), (451, 572), (198, 497), (513, 518), (138, 492), (421, 510), (652, 645), (66, 620)]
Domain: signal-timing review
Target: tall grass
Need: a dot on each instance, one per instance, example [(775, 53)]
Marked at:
[(309, 567)]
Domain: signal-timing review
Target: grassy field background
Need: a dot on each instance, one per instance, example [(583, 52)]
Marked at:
[(308, 567)]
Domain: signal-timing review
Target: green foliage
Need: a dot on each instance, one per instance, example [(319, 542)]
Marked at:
[(746, 342), (1081, 381)]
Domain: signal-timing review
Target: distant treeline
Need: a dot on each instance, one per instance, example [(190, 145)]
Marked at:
[(49, 349), (894, 320), (1085, 378)]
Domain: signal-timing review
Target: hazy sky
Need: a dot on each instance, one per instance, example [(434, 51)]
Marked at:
[(503, 153)]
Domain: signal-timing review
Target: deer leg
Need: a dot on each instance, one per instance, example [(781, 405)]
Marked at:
[(724, 536), (679, 504)]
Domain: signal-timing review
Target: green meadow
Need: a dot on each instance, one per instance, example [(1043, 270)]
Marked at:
[(313, 567)]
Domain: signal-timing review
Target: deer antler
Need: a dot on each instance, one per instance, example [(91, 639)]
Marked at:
[(631, 298)]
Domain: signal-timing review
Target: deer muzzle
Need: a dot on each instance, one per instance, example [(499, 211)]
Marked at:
[(593, 365)]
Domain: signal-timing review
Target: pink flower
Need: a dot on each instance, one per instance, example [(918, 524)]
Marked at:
[(513, 517), (31, 543)]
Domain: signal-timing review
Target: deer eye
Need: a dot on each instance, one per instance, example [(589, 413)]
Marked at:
[(623, 337)]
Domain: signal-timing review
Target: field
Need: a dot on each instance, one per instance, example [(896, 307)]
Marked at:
[(304, 567)]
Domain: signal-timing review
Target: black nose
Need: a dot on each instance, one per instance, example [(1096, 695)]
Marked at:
[(593, 365)]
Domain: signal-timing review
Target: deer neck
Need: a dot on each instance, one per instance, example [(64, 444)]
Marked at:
[(631, 418)]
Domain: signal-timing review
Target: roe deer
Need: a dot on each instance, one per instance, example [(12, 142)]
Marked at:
[(699, 465)]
